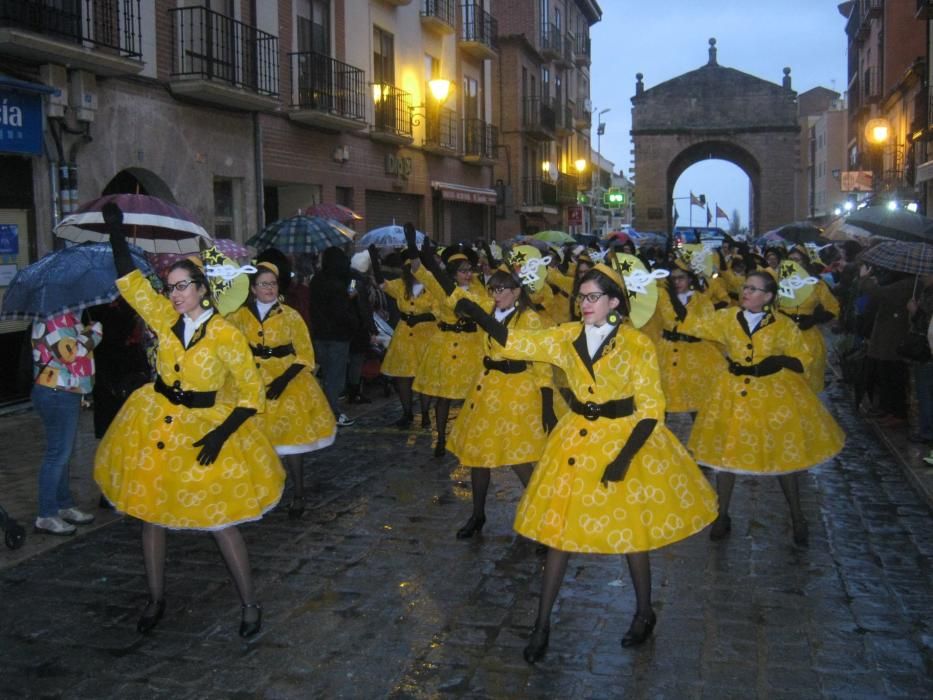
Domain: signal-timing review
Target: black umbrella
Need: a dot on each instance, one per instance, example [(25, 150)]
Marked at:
[(900, 224), (798, 232)]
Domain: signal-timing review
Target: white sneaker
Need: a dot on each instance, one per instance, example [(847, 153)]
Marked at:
[(344, 421), (54, 526), (75, 516)]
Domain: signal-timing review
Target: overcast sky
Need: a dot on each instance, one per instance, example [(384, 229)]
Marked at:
[(665, 39)]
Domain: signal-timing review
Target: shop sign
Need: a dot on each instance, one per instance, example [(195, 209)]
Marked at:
[(398, 166), (575, 216), (20, 122)]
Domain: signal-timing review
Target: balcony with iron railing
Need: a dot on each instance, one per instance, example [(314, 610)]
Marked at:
[(392, 115), (441, 131), (582, 118), (581, 52), (924, 9), (439, 15), (101, 36), (868, 10), (563, 119), (538, 118), (480, 141), (218, 59), (538, 193), (327, 92), (567, 188), (551, 41), (479, 32)]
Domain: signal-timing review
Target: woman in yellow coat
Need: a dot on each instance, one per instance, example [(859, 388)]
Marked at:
[(613, 479), (505, 418), (688, 364), (185, 453), (297, 418), (761, 417), (819, 307), (412, 334), (453, 355)]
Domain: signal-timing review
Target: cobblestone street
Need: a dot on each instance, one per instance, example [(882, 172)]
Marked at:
[(370, 595)]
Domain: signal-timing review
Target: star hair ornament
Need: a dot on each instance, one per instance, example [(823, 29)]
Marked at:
[(641, 286), (229, 281), (529, 266), (795, 284)]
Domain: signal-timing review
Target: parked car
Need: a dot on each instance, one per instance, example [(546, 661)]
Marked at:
[(698, 234)]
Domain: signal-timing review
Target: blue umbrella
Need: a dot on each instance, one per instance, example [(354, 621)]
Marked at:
[(71, 279), (387, 237), (302, 234)]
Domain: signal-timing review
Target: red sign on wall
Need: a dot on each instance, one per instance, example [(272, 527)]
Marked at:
[(575, 216)]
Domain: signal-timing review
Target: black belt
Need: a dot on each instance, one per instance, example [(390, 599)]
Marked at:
[(797, 318), (617, 408), (558, 290), (189, 399), (676, 337), (505, 366), (415, 319), (458, 327), (751, 370), (267, 351)]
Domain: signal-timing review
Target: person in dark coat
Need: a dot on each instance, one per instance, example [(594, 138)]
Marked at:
[(334, 323)]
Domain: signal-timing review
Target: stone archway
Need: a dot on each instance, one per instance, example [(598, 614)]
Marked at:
[(716, 112), (138, 181)]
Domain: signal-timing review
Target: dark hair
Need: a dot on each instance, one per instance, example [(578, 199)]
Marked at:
[(770, 284), (408, 279), (195, 272), (608, 287), (281, 261), (777, 250), (261, 270), (451, 266), (501, 278), (851, 249)]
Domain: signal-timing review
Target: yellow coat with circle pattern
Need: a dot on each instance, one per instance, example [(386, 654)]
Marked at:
[(147, 464), (408, 342), (300, 419), (663, 498), (813, 337)]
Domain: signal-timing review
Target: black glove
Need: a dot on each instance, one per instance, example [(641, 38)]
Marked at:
[(821, 315), (617, 468), (720, 305), (213, 442), (411, 252), (548, 417), (122, 259), (472, 310), (775, 363), (277, 386), (377, 266), (805, 322), (429, 260)]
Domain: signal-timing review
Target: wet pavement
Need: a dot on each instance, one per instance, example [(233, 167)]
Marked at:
[(369, 595)]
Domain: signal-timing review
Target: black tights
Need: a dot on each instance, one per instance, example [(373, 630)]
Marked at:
[(232, 548), (296, 474), (555, 566), (479, 480), (790, 485), (406, 398), (441, 411)]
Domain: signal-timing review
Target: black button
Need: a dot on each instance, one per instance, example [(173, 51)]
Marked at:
[(583, 431), (479, 386), (590, 389), (257, 365), (675, 349), (744, 393), (748, 381), (453, 357), (749, 346), (160, 445), (674, 364), (168, 419), (260, 334), (471, 405), (485, 372), (178, 368), (748, 359), (571, 461), (411, 335), (455, 345), (176, 384)]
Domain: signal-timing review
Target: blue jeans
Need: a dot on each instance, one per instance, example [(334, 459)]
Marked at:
[(59, 412), (923, 384), (332, 356)]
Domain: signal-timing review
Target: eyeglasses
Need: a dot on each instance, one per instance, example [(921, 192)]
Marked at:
[(592, 297), (464, 269), (750, 288), (499, 290), (179, 286), (268, 285)]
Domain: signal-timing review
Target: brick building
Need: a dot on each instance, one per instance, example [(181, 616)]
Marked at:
[(543, 109), (823, 122)]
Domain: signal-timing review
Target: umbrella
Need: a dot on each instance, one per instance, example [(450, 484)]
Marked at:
[(153, 224), (230, 248), (388, 237), (842, 230), (900, 224), (161, 262), (901, 256), (792, 234), (337, 212), (71, 279), (554, 237), (302, 234)]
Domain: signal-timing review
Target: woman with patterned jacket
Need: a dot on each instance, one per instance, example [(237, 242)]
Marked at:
[(761, 416), (612, 479), (297, 418), (183, 453)]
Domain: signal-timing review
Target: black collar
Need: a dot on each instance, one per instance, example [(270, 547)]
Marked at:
[(179, 330), (768, 319), (580, 346)]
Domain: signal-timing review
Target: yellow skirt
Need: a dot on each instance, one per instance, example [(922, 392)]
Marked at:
[(147, 466), (687, 370), (407, 348), (664, 497), (449, 365), (815, 372), (300, 420)]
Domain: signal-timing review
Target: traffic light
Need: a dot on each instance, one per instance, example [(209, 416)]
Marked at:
[(614, 198)]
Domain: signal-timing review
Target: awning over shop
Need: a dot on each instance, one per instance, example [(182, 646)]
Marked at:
[(26, 86), (462, 193)]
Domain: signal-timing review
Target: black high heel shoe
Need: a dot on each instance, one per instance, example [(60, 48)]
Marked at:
[(440, 449), (801, 533), (248, 629), (537, 644), (722, 526), (295, 509), (148, 622), (640, 630), (473, 526), (404, 423)]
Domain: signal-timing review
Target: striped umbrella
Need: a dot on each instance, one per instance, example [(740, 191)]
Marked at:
[(901, 256), (155, 225), (302, 234), (337, 212)]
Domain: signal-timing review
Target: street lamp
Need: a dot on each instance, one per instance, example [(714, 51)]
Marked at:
[(598, 170), (877, 132)]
